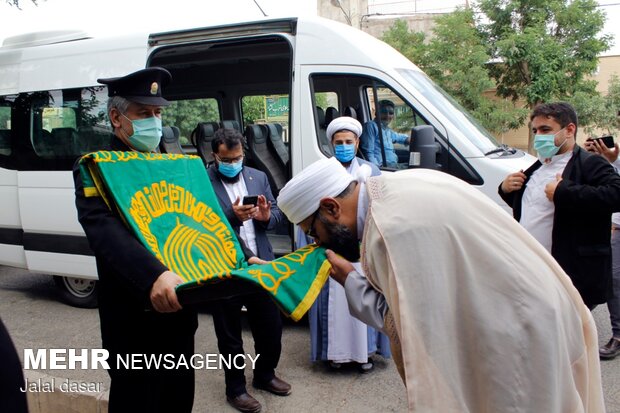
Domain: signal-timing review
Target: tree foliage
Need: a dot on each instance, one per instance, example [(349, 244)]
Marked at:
[(456, 59), (598, 112), (531, 51), (545, 48), (185, 114)]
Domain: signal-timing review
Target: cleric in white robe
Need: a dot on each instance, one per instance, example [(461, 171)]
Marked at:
[(335, 335), (480, 316)]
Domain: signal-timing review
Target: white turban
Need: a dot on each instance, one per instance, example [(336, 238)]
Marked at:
[(343, 123), (301, 196)]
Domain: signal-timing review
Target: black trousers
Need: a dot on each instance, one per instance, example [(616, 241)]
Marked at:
[(12, 399), (266, 326), (153, 391), (127, 329)]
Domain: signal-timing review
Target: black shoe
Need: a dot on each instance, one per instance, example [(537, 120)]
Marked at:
[(276, 386), (244, 403), (334, 365), (610, 350)]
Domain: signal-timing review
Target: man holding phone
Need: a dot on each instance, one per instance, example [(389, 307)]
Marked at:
[(248, 203), (612, 348)]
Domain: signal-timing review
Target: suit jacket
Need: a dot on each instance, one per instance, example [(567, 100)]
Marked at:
[(584, 201), (127, 271), (256, 183)]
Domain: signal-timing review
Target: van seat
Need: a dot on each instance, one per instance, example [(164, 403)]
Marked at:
[(276, 145), (94, 138), (263, 159), (331, 113), (350, 112), (231, 124), (170, 140), (5, 141), (201, 138), (324, 143), (62, 142)]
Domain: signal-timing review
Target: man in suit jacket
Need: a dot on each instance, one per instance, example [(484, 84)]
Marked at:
[(565, 200), (138, 307), (232, 181)]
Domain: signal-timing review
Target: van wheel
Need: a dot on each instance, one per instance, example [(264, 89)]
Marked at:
[(77, 292)]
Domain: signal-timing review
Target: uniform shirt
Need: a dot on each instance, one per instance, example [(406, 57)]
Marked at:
[(246, 231), (537, 211)]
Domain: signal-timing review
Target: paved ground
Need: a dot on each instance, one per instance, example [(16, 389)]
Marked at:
[(30, 309)]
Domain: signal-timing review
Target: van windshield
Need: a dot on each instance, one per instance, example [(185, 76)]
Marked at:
[(451, 109)]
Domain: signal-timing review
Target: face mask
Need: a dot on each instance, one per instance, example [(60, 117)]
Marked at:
[(344, 153), (230, 170), (146, 133), (545, 145)]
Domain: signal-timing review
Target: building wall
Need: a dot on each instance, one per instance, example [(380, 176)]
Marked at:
[(344, 11)]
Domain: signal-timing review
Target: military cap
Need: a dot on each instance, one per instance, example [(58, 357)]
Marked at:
[(143, 86)]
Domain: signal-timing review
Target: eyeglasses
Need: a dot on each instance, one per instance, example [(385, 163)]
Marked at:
[(229, 160), (387, 111), (311, 232)]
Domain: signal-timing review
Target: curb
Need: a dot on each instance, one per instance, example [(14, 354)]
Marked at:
[(55, 394)]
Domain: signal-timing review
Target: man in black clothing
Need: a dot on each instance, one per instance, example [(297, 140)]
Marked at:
[(138, 307), (565, 201)]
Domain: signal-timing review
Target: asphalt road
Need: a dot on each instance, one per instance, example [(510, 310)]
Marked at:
[(35, 318)]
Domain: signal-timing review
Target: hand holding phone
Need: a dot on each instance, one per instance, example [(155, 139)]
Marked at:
[(250, 200), (608, 140)]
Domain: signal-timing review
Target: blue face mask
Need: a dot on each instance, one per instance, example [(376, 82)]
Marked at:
[(230, 170), (545, 145), (146, 133), (344, 153)]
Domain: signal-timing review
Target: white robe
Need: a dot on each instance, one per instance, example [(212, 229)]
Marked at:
[(487, 320)]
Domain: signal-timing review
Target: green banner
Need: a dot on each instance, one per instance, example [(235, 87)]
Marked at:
[(276, 108), (168, 203)]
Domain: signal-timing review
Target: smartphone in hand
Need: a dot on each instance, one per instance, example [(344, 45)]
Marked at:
[(608, 140), (250, 200)]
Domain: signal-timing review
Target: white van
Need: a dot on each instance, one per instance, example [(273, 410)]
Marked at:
[(279, 82)]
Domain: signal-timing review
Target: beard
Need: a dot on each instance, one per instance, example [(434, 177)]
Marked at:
[(341, 240)]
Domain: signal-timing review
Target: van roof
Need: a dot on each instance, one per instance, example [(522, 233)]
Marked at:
[(44, 37)]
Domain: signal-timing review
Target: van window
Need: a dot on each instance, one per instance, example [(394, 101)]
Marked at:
[(69, 123), (48, 130), (261, 109), (452, 110), (325, 100), (186, 114), (357, 95)]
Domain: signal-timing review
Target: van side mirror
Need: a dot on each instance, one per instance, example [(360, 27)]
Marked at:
[(423, 148)]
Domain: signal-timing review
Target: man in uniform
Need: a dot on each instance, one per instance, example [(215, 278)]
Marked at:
[(138, 306)]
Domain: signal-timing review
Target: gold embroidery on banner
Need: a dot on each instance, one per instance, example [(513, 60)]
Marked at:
[(125, 156), (184, 240), (217, 248), (271, 281)]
